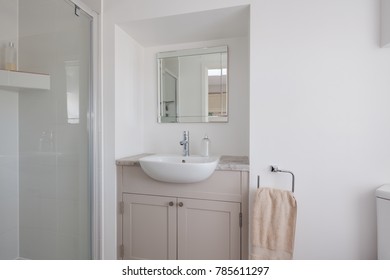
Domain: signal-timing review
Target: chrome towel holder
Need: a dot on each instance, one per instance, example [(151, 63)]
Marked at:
[(274, 168)]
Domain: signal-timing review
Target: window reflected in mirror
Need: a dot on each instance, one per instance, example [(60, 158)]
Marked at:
[(217, 91), (72, 91)]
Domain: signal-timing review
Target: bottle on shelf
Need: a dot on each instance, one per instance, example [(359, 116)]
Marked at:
[(10, 57)]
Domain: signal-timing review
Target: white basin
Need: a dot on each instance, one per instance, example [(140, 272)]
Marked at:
[(178, 169)]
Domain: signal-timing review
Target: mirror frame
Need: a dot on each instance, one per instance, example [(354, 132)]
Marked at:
[(193, 52)]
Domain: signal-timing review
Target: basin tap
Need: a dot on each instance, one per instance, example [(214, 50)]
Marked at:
[(186, 143)]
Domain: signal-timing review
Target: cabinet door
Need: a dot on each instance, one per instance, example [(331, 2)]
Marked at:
[(208, 230), (149, 227)]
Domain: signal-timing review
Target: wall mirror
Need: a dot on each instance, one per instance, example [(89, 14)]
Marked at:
[(193, 85)]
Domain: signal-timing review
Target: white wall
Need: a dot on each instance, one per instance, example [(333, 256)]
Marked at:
[(128, 89), (319, 96), (319, 106), (9, 202), (95, 5)]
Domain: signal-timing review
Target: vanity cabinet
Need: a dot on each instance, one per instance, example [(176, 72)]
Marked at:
[(205, 220), (149, 227), (159, 227)]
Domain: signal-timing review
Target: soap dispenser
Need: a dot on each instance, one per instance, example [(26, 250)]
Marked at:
[(205, 146), (10, 57)]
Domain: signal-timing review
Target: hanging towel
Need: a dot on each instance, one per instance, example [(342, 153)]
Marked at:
[(273, 224)]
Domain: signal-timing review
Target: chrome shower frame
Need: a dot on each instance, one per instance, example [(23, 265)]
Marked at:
[(94, 128)]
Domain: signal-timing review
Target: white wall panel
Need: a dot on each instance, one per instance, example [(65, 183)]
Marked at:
[(9, 192)]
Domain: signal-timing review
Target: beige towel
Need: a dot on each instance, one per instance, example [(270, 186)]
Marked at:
[(273, 225)]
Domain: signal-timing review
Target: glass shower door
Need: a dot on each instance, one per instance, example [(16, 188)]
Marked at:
[(54, 132)]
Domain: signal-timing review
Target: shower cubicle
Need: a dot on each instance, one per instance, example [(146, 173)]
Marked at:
[(46, 131)]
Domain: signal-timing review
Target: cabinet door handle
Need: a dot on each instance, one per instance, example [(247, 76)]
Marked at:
[(181, 204), (171, 203)]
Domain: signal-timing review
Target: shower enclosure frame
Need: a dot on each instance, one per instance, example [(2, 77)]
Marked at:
[(95, 149)]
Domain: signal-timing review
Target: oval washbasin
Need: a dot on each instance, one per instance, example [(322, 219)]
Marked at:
[(178, 169)]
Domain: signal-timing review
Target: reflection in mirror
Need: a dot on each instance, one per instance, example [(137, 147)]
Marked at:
[(72, 91), (193, 85)]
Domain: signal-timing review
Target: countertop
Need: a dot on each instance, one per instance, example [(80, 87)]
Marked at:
[(233, 163)]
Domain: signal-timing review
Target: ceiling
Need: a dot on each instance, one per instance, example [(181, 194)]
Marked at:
[(191, 27)]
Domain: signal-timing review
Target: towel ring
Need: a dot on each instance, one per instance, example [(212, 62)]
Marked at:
[(276, 169)]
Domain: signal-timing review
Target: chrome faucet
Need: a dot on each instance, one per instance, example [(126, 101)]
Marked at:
[(186, 143)]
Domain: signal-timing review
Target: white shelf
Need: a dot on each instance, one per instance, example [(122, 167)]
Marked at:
[(14, 80)]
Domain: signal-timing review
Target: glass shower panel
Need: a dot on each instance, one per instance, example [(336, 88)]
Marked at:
[(54, 132), (9, 157)]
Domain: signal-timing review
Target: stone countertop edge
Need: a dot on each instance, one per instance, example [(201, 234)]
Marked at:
[(234, 163), (131, 160)]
